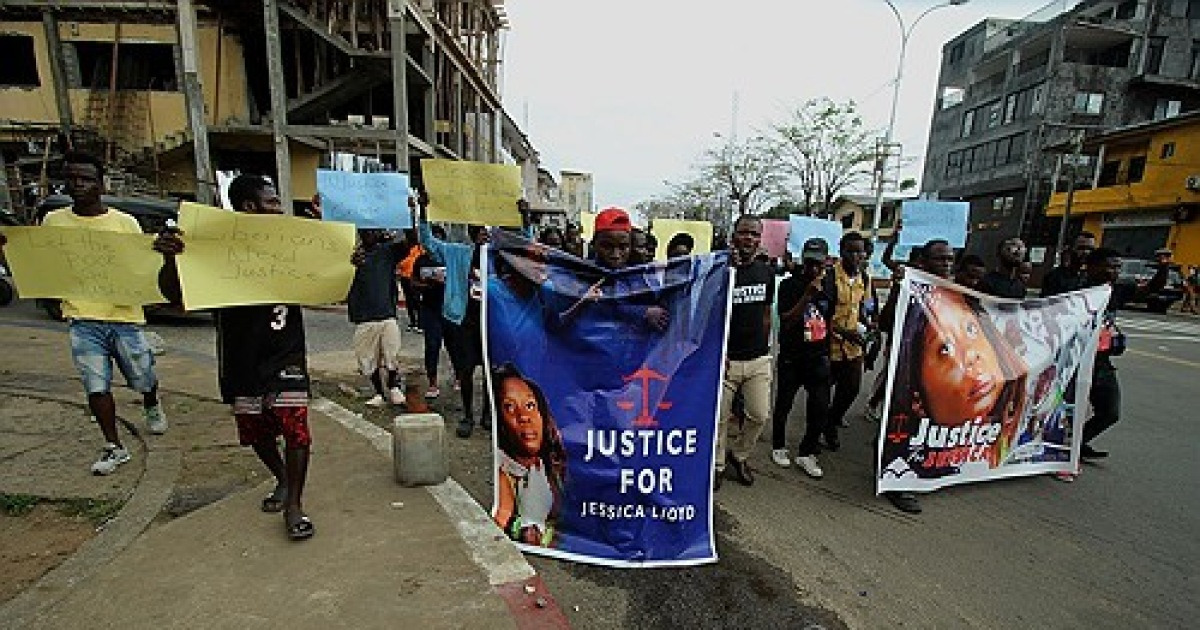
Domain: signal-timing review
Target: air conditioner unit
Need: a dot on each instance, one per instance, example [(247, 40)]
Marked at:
[(1193, 182)]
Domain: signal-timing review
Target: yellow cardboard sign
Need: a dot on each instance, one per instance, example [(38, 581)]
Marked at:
[(232, 258), (664, 229), (81, 264), (472, 192), (587, 222)]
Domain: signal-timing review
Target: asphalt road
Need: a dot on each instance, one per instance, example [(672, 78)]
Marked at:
[(1116, 549)]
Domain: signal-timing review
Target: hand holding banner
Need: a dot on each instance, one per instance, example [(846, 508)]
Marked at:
[(81, 264), (232, 259), (368, 200), (472, 192)]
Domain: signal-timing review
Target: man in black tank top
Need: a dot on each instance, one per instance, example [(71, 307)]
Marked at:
[(262, 369)]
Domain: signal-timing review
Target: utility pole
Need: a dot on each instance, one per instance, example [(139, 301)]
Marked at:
[(1077, 141)]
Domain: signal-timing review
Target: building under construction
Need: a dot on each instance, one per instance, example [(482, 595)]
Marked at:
[(172, 92)]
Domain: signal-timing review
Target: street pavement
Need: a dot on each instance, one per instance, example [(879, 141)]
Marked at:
[(1116, 549), (384, 555)]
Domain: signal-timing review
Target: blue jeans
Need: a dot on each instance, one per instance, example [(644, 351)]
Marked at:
[(96, 345)]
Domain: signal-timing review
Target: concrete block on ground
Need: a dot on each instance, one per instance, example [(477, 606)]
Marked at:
[(419, 449)]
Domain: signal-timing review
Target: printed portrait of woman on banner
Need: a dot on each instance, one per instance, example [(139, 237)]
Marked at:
[(960, 388), (533, 462)]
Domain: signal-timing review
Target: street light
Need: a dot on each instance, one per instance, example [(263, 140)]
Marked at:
[(887, 140)]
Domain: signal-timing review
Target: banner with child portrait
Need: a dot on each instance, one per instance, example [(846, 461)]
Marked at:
[(983, 388), (604, 387)]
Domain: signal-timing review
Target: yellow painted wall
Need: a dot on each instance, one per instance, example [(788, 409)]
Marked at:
[(224, 100), (30, 104), (305, 161), (1162, 186)]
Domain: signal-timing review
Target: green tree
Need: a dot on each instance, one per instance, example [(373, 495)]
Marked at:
[(825, 148)]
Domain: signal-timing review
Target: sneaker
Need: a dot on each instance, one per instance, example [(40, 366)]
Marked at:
[(1065, 477), (156, 420), (874, 413), (808, 463), (376, 401), (110, 458), (464, 429), (780, 457), (844, 423), (395, 396), (432, 393), (1087, 452)]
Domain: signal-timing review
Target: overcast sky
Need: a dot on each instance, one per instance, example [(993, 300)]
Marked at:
[(633, 90)]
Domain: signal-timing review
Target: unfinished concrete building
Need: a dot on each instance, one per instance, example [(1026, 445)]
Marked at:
[(1011, 94), (173, 92)]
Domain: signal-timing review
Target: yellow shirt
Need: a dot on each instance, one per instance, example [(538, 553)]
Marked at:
[(851, 293), (111, 221)]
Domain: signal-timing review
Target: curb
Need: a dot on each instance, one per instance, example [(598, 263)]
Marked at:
[(507, 570), (150, 494)]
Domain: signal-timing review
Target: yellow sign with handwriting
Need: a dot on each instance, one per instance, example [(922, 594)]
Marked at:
[(87, 265), (472, 192), (232, 258), (664, 229)]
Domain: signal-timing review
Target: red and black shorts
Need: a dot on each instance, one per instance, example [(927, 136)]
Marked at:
[(266, 418)]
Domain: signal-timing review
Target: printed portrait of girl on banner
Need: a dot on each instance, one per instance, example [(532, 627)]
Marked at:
[(959, 391), (533, 462), (981, 387)]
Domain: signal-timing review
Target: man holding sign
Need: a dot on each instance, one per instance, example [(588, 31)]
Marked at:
[(262, 368), (103, 333)]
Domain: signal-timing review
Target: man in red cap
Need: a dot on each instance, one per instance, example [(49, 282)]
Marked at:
[(613, 238)]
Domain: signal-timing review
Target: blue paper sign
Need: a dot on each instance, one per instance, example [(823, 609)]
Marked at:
[(604, 422), (927, 220), (368, 200), (876, 267), (803, 228)]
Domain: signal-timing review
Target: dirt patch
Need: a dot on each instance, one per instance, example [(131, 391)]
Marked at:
[(36, 542)]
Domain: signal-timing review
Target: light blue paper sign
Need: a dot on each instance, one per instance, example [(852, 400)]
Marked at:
[(927, 220), (802, 228), (877, 268), (368, 200)]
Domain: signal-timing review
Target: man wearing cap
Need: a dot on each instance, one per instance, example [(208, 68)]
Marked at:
[(618, 317), (748, 360), (805, 311)]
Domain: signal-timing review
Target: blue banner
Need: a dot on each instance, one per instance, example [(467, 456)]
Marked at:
[(605, 389), (801, 228), (368, 200), (927, 220)]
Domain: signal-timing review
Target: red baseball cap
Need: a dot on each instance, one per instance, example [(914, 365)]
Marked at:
[(613, 220)]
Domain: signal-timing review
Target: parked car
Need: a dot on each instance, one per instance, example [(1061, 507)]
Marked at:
[(1137, 273), (151, 214)]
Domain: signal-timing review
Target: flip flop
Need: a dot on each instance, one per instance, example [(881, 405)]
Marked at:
[(301, 530)]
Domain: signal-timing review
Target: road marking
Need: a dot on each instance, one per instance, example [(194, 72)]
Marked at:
[(499, 559), (1161, 357), (1162, 337)]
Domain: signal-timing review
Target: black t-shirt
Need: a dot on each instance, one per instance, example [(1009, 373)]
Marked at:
[(433, 294), (1000, 285), (1062, 280), (374, 293), (753, 294), (260, 350), (808, 338)]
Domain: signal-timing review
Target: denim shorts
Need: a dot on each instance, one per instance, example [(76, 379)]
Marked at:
[(95, 345)]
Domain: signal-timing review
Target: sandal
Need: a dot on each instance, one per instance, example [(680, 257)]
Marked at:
[(300, 530)]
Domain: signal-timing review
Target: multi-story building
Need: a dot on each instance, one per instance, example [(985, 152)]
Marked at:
[(577, 193), (1012, 94), (173, 92), (1145, 192)]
